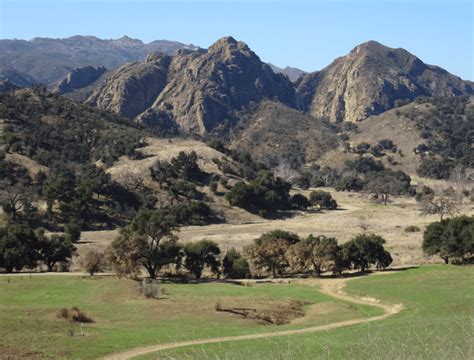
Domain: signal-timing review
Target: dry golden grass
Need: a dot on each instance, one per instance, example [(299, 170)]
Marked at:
[(357, 212)]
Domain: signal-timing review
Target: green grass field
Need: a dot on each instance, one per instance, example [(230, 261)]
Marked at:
[(437, 323), (124, 319)]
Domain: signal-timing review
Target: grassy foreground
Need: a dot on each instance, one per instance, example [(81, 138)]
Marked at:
[(437, 323), (124, 319)]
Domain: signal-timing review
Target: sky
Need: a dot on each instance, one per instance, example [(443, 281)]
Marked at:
[(301, 33)]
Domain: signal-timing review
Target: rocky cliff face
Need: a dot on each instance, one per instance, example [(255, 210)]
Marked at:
[(133, 87), (197, 90), (369, 80), (78, 78)]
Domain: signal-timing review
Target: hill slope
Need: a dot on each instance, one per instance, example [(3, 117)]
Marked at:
[(274, 133)]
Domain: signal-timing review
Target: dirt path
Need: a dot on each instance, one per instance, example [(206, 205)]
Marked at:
[(331, 287)]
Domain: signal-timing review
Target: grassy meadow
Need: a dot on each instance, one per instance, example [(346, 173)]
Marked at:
[(124, 318), (437, 323)]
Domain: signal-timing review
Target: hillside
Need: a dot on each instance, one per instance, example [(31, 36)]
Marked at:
[(371, 79), (436, 132), (275, 134), (47, 61)]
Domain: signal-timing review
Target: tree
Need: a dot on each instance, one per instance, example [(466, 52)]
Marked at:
[(54, 249), (323, 199), (200, 254), (438, 205), (364, 250), (19, 247), (234, 265), (265, 192), (299, 202), (316, 254), (269, 250), (73, 231), (93, 261), (388, 183), (149, 241), (450, 238)]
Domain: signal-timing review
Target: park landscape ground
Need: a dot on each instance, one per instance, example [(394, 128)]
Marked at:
[(416, 313)]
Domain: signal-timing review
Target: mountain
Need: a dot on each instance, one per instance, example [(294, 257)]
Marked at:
[(47, 61), (292, 73), (196, 91), (370, 80), (6, 86)]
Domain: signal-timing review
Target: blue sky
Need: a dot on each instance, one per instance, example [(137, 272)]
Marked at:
[(301, 33)]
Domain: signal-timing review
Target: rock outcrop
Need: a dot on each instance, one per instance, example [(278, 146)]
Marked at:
[(133, 87), (78, 78), (196, 90), (369, 80)]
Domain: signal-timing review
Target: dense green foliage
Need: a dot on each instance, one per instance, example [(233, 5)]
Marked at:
[(448, 129), (280, 251), (200, 254), (234, 265), (52, 129), (451, 238), (22, 247), (264, 193), (322, 199), (364, 250)]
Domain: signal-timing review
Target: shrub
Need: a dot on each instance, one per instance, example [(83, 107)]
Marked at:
[(150, 288), (361, 148), (412, 228), (450, 239), (299, 202), (323, 199), (74, 315), (93, 262), (234, 265)]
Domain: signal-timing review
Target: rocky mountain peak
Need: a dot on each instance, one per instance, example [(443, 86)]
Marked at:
[(369, 80), (228, 48)]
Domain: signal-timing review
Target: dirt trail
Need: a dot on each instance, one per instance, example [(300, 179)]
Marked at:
[(332, 287)]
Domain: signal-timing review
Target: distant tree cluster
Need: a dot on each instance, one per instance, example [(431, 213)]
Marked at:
[(264, 193), (150, 242), (452, 239), (448, 130), (361, 174), (22, 247), (280, 252)]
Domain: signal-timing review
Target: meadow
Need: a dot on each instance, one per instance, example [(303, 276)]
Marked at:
[(124, 318), (437, 323)]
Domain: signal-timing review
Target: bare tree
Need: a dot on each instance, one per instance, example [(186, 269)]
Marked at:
[(439, 205), (286, 172), (462, 176)]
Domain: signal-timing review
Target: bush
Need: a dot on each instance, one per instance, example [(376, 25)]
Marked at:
[(450, 239), (323, 199), (361, 148), (75, 315), (412, 228), (234, 265), (299, 202), (93, 262), (150, 288)]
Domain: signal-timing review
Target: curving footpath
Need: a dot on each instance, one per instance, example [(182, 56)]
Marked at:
[(332, 287)]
